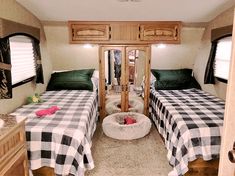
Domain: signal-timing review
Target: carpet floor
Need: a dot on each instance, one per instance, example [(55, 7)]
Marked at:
[(140, 157)]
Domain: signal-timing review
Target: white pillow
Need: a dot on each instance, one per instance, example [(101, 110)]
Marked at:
[(96, 74), (152, 80), (95, 80)]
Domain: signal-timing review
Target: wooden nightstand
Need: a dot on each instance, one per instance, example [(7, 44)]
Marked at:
[(13, 151)]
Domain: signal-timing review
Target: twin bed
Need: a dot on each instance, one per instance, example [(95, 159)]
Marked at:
[(62, 140), (189, 120)]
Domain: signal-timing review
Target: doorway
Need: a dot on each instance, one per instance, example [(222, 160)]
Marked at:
[(124, 76)]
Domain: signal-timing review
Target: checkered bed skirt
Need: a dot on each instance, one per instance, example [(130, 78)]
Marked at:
[(62, 140), (190, 122)]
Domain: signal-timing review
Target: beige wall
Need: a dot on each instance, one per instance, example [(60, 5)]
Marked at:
[(68, 56), (11, 10), (182, 55), (72, 56), (219, 89)]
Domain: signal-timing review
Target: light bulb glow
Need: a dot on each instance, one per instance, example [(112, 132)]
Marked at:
[(87, 46), (161, 46)]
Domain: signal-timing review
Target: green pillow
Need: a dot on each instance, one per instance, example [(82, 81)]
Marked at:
[(174, 79), (177, 74), (71, 80), (177, 84)]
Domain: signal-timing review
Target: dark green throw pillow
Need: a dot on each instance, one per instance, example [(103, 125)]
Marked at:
[(174, 79), (172, 74), (71, 80)]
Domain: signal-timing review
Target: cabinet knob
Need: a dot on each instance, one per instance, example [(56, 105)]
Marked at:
[(231, 154)]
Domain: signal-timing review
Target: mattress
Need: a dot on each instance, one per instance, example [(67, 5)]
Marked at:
[(61, 140), (190, 122)]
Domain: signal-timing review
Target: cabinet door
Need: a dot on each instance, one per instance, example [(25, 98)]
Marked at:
[(160, 32), (137, 74), (112, 74), (124, 33), (124, 71), (89, 32), (18, 165)]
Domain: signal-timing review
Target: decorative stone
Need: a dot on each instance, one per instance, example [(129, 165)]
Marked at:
[(114, 127), (135, 105)]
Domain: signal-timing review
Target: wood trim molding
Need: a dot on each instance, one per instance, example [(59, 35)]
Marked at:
[(65, 23), (195, 25), (217, 33), (54, 23), (8, 27)]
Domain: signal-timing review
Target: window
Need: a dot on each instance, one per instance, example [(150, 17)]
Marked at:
[(22, 59), (222, 58)]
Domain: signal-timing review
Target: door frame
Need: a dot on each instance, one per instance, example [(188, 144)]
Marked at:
[(124, 94), (147, 50), (228, 135), (102, 97)]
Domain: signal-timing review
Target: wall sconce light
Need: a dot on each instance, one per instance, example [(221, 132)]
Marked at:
[(161, 45), (87, 45)]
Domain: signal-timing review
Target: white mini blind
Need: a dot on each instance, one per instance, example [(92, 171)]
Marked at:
[(22, 58), (222, 58)]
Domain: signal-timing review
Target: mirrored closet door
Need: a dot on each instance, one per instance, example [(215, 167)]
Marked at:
[(124, 79)]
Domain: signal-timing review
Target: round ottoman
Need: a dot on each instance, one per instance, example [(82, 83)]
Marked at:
[(113, 126), (113, 106)]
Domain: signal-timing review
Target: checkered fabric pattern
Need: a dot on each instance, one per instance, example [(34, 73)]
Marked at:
[(190, 121), (62, 140)]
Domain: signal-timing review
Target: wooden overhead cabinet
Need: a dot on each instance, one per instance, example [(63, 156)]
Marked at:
[(167, 32), (124, 32), (89, 32)]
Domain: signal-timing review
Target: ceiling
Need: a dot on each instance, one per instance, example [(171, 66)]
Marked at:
[(114, 10)]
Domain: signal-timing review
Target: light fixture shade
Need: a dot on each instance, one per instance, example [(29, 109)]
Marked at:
[(87, 45), (161, 45)]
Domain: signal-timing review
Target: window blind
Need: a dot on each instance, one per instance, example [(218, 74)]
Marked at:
[(222, 58), (22, 58)]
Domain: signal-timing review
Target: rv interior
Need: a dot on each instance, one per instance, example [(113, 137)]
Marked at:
[(118, 87)]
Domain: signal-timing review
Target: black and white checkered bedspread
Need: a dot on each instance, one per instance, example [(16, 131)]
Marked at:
[(190, 121), (62, 140)]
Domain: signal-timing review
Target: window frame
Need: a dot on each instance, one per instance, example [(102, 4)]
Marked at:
[(218, 78), (23, 82)]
